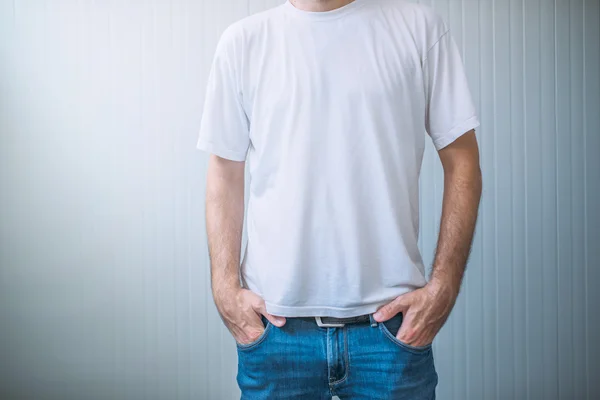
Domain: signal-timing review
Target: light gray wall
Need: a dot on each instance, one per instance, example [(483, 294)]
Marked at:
[(104, 290)]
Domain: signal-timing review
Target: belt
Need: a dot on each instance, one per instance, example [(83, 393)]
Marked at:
[(333, 322)]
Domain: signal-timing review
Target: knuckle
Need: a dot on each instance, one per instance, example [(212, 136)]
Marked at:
[(408, 335), (256, 303), (254, 335)]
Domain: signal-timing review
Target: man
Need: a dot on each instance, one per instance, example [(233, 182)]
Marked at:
[(329, 102)]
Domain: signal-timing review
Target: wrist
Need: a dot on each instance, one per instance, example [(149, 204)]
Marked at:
[(439, 285), (227, 297), (225, 287)]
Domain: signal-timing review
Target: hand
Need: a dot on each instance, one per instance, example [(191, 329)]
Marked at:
[(240, 310), (424, 310)]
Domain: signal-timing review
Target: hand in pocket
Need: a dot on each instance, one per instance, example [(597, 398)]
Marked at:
[(241, 311), (424, 310)]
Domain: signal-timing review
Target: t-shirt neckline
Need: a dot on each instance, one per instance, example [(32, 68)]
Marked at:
[(322, 15)]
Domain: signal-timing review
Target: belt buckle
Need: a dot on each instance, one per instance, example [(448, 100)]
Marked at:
[(326, 325)]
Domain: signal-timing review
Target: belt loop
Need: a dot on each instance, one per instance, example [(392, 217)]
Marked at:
[(373, 322)]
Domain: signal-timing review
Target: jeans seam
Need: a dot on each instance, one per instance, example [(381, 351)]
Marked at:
[(346, 359), (249, 346), (394, 340)]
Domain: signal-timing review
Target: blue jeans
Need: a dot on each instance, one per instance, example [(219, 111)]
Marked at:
[(301, 360)]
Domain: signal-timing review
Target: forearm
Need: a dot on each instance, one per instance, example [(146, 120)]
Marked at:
[(224, 221), (462, 192)]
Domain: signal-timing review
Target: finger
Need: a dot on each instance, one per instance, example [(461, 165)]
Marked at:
[(408, 331), (422, 338), (275, 320), (399, 304), (248, 329)]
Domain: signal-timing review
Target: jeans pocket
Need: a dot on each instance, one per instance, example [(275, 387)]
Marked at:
[(247, 346), (390, 329)]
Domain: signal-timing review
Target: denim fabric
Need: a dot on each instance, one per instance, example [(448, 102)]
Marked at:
[(358, 361)]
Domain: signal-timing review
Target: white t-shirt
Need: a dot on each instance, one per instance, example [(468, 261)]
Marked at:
[(330, 111)]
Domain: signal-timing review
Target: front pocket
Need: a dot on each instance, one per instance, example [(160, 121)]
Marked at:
[(393, 325), (260, 339)]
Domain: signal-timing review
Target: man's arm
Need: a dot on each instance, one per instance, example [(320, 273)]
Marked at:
[(224, 221), (462, 192), (239, 308), (426, 310)]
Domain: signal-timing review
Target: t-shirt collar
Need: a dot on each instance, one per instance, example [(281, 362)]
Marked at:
[(322, 15)]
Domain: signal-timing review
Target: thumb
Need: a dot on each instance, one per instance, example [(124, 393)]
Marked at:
[(399, 304), (275, 320), (405, 301)]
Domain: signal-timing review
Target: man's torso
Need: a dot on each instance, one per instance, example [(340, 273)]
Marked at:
[(336, 110)]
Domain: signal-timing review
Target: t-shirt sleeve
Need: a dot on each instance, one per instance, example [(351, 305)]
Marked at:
[(224, 128), (449, 108)]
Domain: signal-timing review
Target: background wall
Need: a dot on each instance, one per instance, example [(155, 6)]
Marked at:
[(104, 278)]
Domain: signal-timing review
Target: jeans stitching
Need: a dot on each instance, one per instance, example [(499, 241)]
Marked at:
[(393, 339), (258, 341), (347, 364)]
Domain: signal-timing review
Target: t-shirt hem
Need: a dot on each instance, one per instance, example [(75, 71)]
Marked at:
[(220, 151), (456, 132), (323, 311)]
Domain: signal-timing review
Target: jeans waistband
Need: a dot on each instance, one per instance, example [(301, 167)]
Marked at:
[(339, 322)]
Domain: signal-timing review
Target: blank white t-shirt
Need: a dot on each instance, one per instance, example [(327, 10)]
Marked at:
[(330, 111)]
